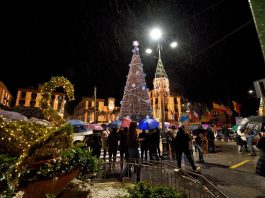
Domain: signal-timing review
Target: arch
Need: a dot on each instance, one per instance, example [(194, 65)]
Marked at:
[(46, 92)]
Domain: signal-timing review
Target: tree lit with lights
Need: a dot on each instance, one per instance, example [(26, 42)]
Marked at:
[(136, 102)]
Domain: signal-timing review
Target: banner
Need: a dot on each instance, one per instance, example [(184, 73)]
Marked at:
[(184, 118), (228, 111), (218, 107), (196, 115), (236, 106), (208, 113)]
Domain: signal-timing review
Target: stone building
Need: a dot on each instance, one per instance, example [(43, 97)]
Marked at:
[(85, 110), (5, 96), (174, 106), (29, 97)]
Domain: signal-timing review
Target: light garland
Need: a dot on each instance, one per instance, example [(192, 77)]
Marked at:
[(136, 102), (46, 93), (32, 141)]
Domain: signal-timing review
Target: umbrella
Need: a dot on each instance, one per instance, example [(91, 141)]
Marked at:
[(125, 122), (253, 123), (95, 127), (104, 126), (11, 115), (115, 124), (235, 128), (40, 121), (197, 131), (194, 126), (205, 126), (75, 122), (166, 125), (148, 123)]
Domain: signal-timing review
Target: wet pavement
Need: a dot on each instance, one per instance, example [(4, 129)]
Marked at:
[(237, 182)]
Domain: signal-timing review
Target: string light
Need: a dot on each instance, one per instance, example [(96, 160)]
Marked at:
[(35, 139), (136, 102)]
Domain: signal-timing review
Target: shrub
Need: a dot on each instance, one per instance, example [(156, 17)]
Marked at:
[(146, 190)]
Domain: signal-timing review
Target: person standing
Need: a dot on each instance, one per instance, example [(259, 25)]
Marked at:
[(157, 133), (113, 144), (172, 135), (182, 146), (104, 138), (153, 145), (143, 144), (260, 168), (123, 147), (225, 133), (240, 143), (198, 146), (211, 138), (133, 153), (96, 143), (250, 134)]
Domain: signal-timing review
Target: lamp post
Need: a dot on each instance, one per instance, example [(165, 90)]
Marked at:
[(161, 87)]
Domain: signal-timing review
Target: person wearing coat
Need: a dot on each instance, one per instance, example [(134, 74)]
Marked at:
[(105, 147), (112, 141), (133, 153), (96, 143), (182, 146), (198, 146), (260, 168)]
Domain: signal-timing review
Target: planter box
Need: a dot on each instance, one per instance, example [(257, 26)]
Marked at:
[(41, 188)]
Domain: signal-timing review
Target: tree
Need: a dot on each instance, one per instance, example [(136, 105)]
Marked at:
[(136, 102)]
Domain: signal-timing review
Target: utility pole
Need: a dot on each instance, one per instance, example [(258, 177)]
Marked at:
[(95, 105)]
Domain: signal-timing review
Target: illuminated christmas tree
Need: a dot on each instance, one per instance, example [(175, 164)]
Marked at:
[(136, 102)]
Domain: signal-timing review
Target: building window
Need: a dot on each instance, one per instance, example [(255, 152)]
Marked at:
[(89, 103), (21, 103), (32, 103), (33, 96), (175, 101), (23, 94)]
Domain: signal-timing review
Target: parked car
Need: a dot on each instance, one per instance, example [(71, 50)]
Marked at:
[(81, 132)]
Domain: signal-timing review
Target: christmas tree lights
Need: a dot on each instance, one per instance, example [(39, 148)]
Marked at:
[(136, 102)]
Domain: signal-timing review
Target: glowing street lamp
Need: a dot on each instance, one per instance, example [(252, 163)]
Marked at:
[(156, 34), (250, 91), (148, 51), (173, 44)]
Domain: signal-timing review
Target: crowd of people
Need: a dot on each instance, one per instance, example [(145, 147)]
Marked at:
[(129, 141)]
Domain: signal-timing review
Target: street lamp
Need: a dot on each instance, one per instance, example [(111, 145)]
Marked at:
[(156, 34), (161, 87), (173, 44), (250, 91), (148, 51)]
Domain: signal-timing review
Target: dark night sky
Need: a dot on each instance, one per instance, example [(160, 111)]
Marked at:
[(90, 43)]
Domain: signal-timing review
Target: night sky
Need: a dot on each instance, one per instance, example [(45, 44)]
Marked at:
[(90, 43)]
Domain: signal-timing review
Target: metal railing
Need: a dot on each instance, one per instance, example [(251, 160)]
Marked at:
[(163, 173)]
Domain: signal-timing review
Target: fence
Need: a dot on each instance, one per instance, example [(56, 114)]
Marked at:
[(163, 173)]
